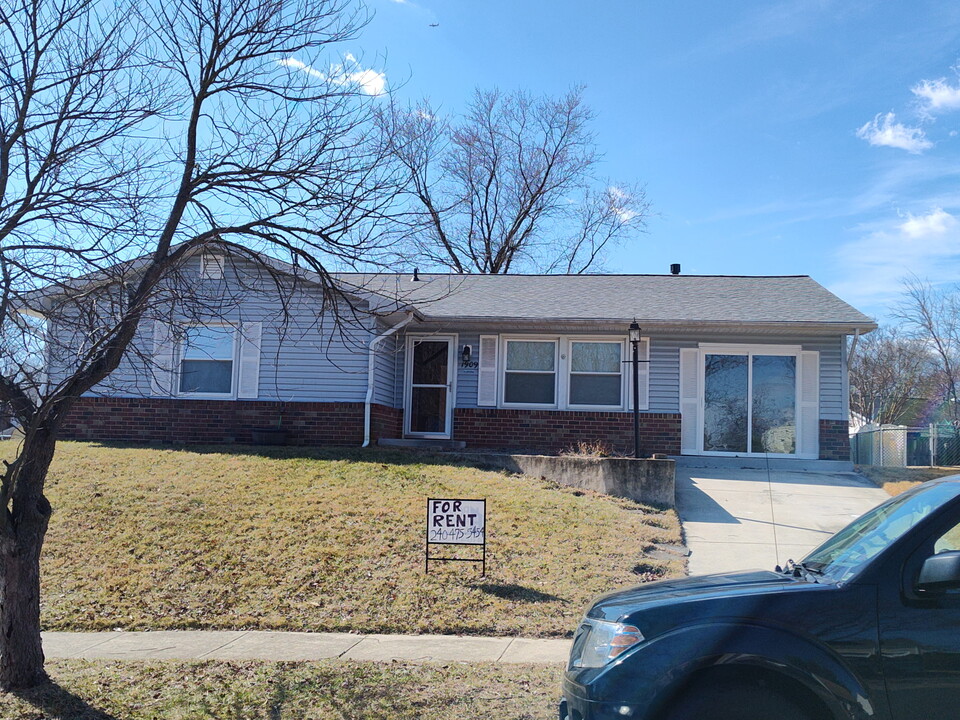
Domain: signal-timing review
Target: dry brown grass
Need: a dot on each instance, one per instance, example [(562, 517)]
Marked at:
[(590, 448), (895, 480), (293, 691), (325, 541)]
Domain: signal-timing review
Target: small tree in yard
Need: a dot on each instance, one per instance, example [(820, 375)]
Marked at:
[(150, 130), (509, 186), (932, 315), (888, 373)]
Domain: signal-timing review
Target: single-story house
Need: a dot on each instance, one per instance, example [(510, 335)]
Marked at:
[(731, 365)]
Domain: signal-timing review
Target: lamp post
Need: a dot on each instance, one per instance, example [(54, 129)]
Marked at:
[(634, 335)]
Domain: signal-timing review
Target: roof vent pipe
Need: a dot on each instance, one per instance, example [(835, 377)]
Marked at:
[(675, 269), (416, 274)]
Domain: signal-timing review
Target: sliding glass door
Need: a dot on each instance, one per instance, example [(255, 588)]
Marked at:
[(750, 403)]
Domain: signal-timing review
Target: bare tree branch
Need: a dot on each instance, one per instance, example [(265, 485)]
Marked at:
[(132, 137), (509, 186), (933, 316)]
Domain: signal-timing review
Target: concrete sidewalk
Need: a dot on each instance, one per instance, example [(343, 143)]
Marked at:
[(280, 646)]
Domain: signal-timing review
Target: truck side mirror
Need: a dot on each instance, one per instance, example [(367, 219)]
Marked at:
[(940, 572)]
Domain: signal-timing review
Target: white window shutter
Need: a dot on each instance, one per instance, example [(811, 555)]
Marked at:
[(809, 425), (689, 401), (162, 371), (487, 376), (248, 382), (643, 374)]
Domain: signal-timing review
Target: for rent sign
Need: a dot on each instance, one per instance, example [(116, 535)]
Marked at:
[(456, 522)]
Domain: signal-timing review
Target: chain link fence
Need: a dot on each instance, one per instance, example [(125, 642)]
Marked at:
[(899, 446)]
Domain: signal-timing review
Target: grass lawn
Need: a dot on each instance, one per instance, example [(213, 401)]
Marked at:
[(292, 691), (325, 540), (896, 479)]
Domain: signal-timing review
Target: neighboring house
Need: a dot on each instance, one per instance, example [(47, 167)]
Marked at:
[(737, 365)]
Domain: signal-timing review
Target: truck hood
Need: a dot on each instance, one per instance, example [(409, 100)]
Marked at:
[(621, 604)]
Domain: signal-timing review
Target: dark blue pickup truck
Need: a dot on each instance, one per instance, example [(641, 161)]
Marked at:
[(866, 626)]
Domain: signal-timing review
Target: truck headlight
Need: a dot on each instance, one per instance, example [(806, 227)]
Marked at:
[(600, 642)]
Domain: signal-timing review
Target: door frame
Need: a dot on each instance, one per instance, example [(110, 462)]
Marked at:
[(748, 351), (411, 339)]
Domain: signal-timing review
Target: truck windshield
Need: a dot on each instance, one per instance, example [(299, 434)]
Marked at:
[(850, 550)]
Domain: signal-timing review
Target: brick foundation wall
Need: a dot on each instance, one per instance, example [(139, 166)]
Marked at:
[(385, 422), (224, 421), (553, 431), (834, 440)]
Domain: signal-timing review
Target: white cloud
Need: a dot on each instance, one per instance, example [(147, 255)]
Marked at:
[(618, 199), (297, 65), (884, 130), (350, 72), (937, 96), (936, 222), (875, 264)]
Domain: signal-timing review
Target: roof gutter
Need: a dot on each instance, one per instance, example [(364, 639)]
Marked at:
[(371, 360)]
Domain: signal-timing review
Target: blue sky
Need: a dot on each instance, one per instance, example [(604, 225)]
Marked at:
[(801, 137)]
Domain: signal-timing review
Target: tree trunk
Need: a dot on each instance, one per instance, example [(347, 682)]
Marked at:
[(21, 654), (24, 526)]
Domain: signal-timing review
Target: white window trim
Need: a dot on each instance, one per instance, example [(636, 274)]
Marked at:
[(234, 368), (625, 380), (749, 350), (502, 371), (563, 344)]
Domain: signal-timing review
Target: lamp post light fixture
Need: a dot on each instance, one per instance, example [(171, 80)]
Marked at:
[(634, 335)]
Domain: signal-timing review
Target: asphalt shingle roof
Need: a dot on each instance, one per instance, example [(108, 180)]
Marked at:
[(648, 298)]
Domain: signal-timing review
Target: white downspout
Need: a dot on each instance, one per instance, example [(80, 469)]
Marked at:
[(853, 348), (371, 361)]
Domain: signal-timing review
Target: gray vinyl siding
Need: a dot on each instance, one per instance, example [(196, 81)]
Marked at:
[(315, 357), (385, 371), (665, 369), (307, 358), (467, 378)]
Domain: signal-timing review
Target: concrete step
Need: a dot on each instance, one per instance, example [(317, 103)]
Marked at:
[(422, 443), (762, 463)]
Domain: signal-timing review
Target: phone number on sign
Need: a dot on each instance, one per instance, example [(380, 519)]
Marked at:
[(453, 534)]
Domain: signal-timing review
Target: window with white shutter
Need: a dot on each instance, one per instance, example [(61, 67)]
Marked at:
[(809, 404), (248, 381), (206, 360), (689, 401), (487, 378)]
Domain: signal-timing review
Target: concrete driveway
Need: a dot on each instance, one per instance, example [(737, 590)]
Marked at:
[(743, 515)]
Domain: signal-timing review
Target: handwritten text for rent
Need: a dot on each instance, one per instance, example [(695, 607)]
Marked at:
[(456, 522)]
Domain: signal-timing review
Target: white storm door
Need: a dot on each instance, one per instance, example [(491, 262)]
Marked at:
[(430, 368)]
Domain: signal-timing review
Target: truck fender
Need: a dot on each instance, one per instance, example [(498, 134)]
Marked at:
[(670, 660)]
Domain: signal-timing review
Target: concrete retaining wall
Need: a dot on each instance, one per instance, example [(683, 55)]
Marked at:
[(646, 481)]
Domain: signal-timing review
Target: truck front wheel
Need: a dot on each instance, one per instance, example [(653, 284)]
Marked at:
[(731, 700)]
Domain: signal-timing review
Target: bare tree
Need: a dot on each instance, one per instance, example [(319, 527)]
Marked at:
[(131, 136), (933, 316), (889, 373), (509, 186)]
